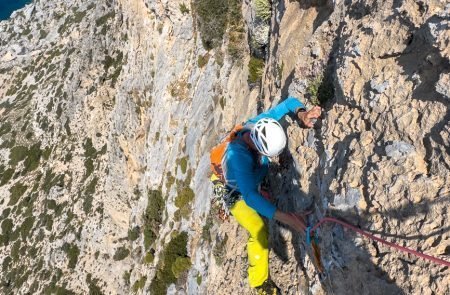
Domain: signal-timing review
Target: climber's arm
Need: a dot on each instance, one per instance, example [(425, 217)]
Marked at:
[(290, 105)]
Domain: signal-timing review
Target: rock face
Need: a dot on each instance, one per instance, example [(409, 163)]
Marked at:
[(109, 109)]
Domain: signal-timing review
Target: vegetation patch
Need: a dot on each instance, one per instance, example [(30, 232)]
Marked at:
[(102, 20), (42, 34), (236, 32), (133, 234), (153, 217), (89, 195), (17, 154), (181, 265), (70, 20), (72, 252), (139, 284), (5, 128), (33, 158), (255, 69), (7, 174), (126, 277), (183, 202), (7, 229), (94, 289), (149, 257), (50, 180), (26, 227), (174, 257), (121, 253), (179, 89), (202, 60), (212, 21), (90, 153), (66, 67), (320, 90), (170, 180), (115, 63), (183, 162), (184, 9), (16, 191), (263, 9)]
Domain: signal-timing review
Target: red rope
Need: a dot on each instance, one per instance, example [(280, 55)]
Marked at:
[(370, 236)]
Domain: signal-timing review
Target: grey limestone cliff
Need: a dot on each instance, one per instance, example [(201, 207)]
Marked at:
[(109, 109)]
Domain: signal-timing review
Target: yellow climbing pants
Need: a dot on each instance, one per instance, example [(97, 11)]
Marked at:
[(257, 245)]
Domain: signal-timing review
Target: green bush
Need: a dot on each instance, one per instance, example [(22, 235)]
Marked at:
[(66, 67), (202, 60), (263, 8), (33, 157), (51, 180), (170, 180), (133, 234), (94, 289), (139, 284), (183, 202), (7, 229), (42, 34), (70, 20), (183, 162), (180, 265), (183, 8), (149, 257), (116, 64), (175, 249), (102, 20), (320, 90), (212, 21), (16, 191), (15, 249), (89, 165), (126, 277), (89, 149), (121, 253), (6, 176), (72, 252), (26, 227), (5, 128), (89, 195), (153, 216), (17, 154), (255, 69), (236, 44)]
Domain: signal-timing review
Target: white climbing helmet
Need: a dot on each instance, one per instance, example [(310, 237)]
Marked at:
[(268, 137)]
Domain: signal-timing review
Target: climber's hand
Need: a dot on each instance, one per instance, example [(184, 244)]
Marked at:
[(306, 117)]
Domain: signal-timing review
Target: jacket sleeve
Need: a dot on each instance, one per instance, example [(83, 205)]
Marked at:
[(247, 182), (290, 105)]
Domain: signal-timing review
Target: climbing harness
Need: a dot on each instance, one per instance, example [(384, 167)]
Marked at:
[(310, 231), (223, 196)]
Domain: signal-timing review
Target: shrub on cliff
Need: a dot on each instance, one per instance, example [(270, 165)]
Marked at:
[(262, 8), (173, 263), (255, 69), (212, 21)]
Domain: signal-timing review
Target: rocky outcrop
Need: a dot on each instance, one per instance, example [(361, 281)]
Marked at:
[(109, 109)]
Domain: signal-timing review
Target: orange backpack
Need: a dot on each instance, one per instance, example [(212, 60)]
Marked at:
[(218, 151)]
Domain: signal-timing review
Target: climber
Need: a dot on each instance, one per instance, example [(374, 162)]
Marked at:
[(244, 164)]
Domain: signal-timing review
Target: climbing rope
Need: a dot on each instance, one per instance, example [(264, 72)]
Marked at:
[(310, 231)]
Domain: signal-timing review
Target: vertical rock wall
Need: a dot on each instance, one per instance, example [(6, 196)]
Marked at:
[(109, 109)]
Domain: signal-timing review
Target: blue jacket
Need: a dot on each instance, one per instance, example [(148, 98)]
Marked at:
[(245, 169)]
